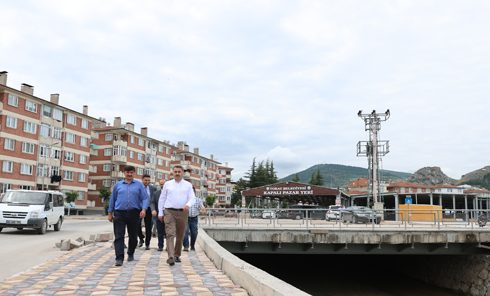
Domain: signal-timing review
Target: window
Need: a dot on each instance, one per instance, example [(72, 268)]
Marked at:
[(106, 183), (28, 148), (71, 119), (141, 142), (83, 158), (26, 169), (160, 161), (140, 156), (107, 167), (25, 187), (85, 123), (81, 177), (131, 139), (160, 148), (70, 138), (6, 186), (107, 152), (8, 166), (55, 171), (47, 111), (108, 137), (30, 127), (31, 106), (56, 153), (44, 130), (68, 175), (43, 151), (9, 144), (139, 171), (81, 195), (42, 170), (57, 114), (83, 141), (11, 122), (69, 156), (57, 133), (13, 100), (131, 154)]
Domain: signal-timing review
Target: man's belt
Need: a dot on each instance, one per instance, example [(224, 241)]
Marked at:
[(180, 210)]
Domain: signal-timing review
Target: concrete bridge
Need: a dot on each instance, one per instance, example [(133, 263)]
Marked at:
[(243, 233)]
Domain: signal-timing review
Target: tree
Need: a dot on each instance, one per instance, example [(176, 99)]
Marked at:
[(236, 196), (316, 178), (71, 196), (210, 199), (104, 194), (296, 178)]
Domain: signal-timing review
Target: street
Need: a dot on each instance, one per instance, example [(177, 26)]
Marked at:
[(23, 249)]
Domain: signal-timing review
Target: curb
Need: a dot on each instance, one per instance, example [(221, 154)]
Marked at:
[(254, 280)]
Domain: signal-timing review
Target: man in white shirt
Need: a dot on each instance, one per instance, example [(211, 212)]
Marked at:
[(175, 199)]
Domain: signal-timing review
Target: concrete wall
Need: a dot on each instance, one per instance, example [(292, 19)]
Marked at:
[(252, 279), (467, 274)]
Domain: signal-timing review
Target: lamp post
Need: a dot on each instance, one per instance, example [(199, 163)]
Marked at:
[(48, 149)]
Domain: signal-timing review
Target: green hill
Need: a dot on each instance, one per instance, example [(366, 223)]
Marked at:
[(336, 175)]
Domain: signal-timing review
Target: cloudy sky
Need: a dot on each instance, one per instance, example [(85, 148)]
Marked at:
[(278, 80)]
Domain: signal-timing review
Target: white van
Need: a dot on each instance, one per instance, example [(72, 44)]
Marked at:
[(32, 209)]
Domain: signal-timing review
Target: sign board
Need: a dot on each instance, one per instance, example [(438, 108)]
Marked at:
[(288, 190)]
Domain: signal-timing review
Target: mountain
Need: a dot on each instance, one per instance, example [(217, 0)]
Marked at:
[(430, 176), (336, 175), (479, 177)]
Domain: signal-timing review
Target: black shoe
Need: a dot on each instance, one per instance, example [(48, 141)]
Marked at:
[(186, 249), (130, 258), (160, 249), (170, 261), (147, 247), (193, 249), (140, 244), (119, 263), (177, 259)]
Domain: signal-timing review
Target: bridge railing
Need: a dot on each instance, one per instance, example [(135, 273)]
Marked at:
[(343, 219)]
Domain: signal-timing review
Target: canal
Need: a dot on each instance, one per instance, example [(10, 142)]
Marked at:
[(346, 275)]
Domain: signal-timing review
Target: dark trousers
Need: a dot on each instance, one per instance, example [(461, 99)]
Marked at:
[(122, 220), (160, 231), (191, 230), (148, 224)]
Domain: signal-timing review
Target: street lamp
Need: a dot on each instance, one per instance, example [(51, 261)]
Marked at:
[(48, 149)]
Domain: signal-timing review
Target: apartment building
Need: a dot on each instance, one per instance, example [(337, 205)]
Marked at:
[(119, 145), (201, 171), (224, 186), (43, 145)]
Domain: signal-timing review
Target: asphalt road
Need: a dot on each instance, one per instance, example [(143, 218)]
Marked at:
[(23, 249)]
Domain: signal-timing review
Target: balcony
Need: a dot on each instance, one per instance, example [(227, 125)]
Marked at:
[(119, 158), (92, 186), (120, 143), (117, 175)]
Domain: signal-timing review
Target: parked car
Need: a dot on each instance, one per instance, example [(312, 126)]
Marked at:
[(358, 214), (268, 214), (333, 213), (32, 209)]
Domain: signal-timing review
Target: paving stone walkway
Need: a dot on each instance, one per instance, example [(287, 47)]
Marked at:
[(90, 270)]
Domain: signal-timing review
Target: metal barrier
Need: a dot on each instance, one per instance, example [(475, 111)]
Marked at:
[(317, 219)]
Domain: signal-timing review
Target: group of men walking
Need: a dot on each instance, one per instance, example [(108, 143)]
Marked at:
[(174, 208)]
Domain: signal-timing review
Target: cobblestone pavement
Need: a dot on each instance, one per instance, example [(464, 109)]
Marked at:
[(90, 270)]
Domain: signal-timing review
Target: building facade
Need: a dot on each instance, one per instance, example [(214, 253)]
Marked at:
[(44, 145)]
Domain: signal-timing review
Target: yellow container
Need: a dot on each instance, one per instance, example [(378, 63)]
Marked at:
[(430, 213)]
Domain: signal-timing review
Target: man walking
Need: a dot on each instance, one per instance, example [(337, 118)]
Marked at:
[(154, 211), (148, 218), (127, 206), (192, 222), (176, 198)]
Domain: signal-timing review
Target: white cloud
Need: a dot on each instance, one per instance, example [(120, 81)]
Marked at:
[(276, 79)]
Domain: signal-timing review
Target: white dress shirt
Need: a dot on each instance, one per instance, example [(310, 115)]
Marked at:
[(175, 195)]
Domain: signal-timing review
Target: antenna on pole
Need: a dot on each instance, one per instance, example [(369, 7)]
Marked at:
[(373, 150)]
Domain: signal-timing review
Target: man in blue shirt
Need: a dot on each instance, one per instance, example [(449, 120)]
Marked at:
[(127, 205)]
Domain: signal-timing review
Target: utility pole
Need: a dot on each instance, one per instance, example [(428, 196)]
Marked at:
[(373, 149)]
